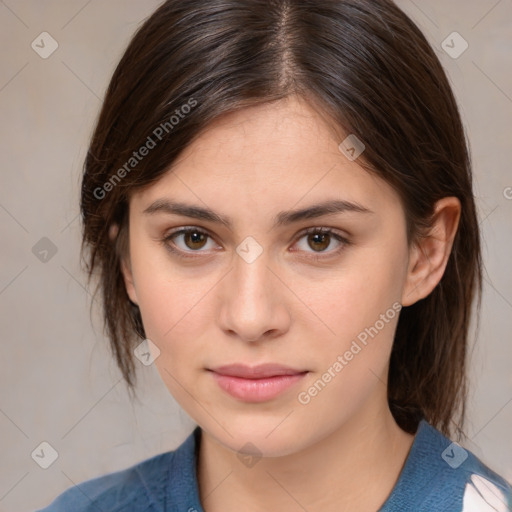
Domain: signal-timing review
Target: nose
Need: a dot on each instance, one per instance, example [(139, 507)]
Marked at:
[(253, 302)]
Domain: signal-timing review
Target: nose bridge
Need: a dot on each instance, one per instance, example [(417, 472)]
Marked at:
[(252, 283), (251, 307), (251, 273)]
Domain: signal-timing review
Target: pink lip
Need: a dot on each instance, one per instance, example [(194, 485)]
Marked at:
[(258, 383)]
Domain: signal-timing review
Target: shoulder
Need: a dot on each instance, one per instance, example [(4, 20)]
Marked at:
[(458, 478), (482, 489), (442, 475), (139, 487)]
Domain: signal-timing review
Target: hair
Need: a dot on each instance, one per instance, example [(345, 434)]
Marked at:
[(367, 67)]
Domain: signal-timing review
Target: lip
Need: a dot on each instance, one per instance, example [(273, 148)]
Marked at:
[(259, 371), (256, 383)]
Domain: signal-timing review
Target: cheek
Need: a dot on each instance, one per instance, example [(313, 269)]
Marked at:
[(172, 310), (166, 296), (356, 297), (361, 306), (175, 319), (177, 311), (350, 365)]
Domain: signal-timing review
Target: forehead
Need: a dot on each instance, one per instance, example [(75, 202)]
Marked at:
[(281, 154), (289, 129)]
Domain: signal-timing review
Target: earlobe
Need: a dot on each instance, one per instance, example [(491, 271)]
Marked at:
[(429, 255), (126, 270)]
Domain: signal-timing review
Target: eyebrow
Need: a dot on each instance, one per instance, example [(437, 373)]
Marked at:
[(283, 218)]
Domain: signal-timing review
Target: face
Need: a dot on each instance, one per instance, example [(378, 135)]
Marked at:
[(316, 297)]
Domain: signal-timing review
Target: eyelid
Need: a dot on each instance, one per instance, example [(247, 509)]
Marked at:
[(342, 238), (337, 234), (180, 231), (322, 229)]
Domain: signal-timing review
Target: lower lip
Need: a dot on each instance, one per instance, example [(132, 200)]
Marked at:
[(256, 390)]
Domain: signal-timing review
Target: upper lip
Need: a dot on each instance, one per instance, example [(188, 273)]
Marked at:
[(255, 372)]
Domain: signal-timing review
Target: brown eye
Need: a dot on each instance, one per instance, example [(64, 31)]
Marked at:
[(188, 240), (195, 239), (319, 241)]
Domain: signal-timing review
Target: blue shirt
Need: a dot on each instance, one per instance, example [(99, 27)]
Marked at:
[(438, 476)]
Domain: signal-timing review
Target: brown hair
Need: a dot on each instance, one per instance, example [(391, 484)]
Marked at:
[(367, 66)]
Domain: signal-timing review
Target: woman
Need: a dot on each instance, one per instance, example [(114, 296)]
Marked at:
[(278, 200)]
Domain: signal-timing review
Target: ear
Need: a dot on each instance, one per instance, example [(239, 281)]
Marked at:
[(126, 268), (429, 256)]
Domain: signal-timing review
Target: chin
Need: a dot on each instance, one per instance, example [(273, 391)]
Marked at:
[(263, 437)]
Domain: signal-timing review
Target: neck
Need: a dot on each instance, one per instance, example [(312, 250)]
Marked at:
[(353, 468)]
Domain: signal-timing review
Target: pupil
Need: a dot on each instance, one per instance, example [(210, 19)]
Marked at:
[(321, 238), (196, 238)]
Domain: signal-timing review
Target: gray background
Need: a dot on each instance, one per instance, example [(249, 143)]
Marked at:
[(59, 383)]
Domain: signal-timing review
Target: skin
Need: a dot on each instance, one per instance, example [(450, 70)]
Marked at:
[(342, 450)]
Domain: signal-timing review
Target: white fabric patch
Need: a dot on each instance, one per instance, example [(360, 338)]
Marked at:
[(481, 495)]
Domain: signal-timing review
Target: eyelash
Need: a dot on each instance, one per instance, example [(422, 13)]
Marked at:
[(314, 256)]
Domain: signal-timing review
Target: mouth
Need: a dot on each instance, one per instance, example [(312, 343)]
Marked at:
[(256, 383)]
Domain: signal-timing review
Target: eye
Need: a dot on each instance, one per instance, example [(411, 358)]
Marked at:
[(320, 239), (192, 240), (188, 240)]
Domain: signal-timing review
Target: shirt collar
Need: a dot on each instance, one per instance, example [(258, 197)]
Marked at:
[(183, 490)]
